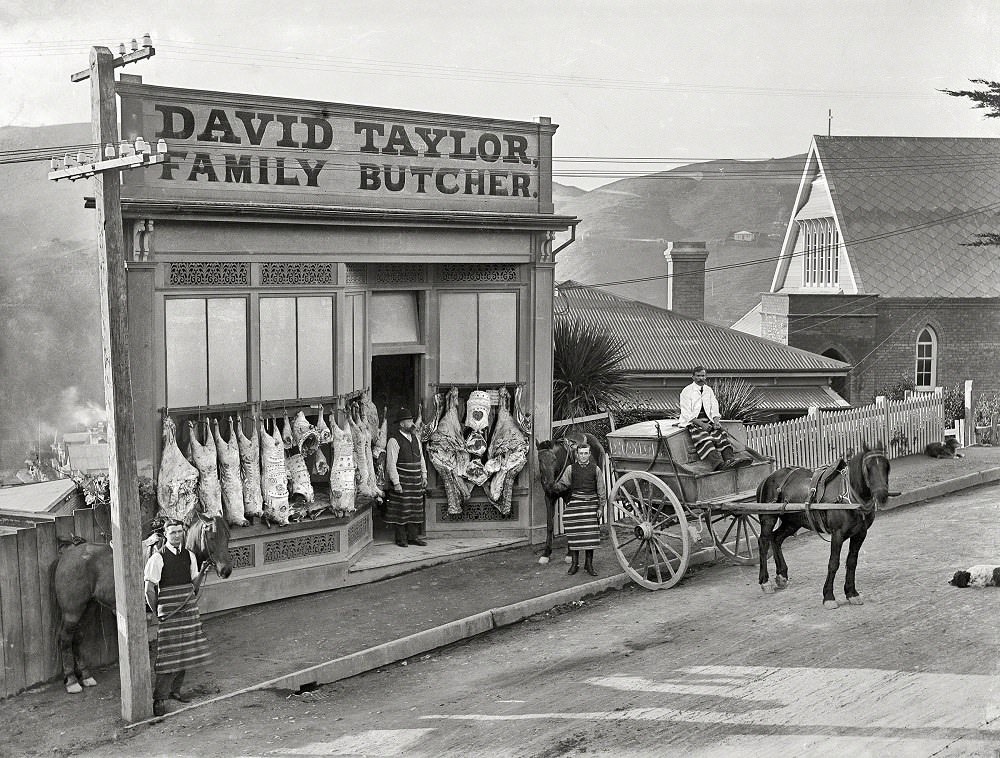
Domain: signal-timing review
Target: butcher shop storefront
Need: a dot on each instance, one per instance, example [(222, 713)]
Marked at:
[(301, 270)]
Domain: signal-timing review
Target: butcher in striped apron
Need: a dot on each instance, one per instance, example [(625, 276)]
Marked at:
[(588, 494), (172, 581), (406, 480)]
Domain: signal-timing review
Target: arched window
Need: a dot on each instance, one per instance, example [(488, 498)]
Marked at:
[(925, 373)]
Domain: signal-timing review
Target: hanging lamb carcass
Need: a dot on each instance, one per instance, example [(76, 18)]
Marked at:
[(448, 455), (274, 478), (177, 479), (508, 452), (205, 460), (343, 488), (229, 474), (253, 497)]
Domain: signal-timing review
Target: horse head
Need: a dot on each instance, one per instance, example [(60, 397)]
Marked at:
[(869, 473), (549, 464), (208, 539)]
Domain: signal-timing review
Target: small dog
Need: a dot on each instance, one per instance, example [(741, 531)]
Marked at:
[(946, 449), (977, 576)]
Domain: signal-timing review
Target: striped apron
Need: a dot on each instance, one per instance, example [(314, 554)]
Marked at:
[(707, 439), (406, 507), (180, 642), (581, 520)]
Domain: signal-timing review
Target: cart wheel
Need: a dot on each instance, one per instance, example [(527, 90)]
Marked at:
[(649, 530), (735, 535)]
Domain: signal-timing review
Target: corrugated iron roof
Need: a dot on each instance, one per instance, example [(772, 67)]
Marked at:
[(906, 207), (770, 399), (658, 340)]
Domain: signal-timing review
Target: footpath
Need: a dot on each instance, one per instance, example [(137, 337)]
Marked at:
[(293, 645)]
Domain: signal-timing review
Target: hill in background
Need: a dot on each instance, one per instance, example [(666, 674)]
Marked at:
[(626, 225), (50, 343)]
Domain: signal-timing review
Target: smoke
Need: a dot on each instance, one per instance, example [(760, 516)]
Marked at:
[(75, 413)]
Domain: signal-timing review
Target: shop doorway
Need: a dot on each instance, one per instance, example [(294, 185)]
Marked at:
[(394, 385)]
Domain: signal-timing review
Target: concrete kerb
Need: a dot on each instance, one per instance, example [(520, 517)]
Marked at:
[(372, 658)]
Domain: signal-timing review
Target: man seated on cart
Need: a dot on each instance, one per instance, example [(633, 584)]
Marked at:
[(700, 415)]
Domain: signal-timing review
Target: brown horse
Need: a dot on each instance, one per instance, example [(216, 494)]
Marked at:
[(864, 482), (553, 458), (85, 574)]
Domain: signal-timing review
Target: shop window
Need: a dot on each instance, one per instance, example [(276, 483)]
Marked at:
[(206, 351), (925, 375), (478, 337), (296, 347), (394, 317)]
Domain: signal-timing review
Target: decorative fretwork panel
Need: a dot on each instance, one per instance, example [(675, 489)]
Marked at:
[(496, 273), (298, 274), (359, 531), (209, 274), (241, 556), (481, 511), (356, 274), (400, 274), (301, 547)]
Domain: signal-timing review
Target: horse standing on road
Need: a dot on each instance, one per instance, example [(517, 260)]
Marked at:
[(864, 482), (553, 458), (85, 574)]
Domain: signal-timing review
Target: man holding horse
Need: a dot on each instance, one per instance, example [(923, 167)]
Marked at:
[(701, 416), (584, 481), (172, 582)]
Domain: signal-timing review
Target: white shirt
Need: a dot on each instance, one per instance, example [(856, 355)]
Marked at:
[(154, 566), (693, 398)]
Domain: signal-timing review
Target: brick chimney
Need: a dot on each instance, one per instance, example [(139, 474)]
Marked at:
[(686, 282)]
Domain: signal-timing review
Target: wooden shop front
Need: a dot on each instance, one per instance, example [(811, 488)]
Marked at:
[(289, 254)]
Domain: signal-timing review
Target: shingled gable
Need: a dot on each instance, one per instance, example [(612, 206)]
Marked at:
[(905, 207), (659, 341)]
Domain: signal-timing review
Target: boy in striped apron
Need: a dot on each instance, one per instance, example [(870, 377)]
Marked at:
[(588, 494), (172, 581)]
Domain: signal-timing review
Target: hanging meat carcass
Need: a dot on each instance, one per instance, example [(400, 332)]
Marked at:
[(253, 498), (287, 438), (449, 457), (322, 430), (369, 412), (525, 421), (305, 435), (229, 474), (364, 478), (342, 477), (205, 460), (508, 452), (274, 480), (378, 452), (177, 480)]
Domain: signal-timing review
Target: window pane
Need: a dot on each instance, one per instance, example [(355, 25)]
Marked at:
[(315, 330), (458, 337), (227, 350), (498, 337), (187, 353), (277, 348), (393, 317)]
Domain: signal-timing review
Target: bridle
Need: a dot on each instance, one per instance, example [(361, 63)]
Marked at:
[(870, 505)]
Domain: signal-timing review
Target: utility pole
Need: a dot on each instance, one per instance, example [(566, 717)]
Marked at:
[(133, 643)]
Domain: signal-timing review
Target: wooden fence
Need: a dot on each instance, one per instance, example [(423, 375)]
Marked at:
[(903, 427), (29, 616)]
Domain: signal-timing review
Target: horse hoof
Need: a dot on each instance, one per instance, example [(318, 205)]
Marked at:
[(543, 560), (780, 582), (73, 688), (90, 682), (856, 600), (830, 604), (768, 588)]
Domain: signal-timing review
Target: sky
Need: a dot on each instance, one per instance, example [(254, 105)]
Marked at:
[(636, 86)]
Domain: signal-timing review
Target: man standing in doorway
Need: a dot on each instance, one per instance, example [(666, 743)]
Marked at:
[(172, 582), (700, 415), (406, 476)]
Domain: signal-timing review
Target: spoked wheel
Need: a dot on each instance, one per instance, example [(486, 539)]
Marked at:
[(735, 535), (649, 530)]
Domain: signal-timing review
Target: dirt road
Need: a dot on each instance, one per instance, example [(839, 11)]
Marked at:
[(710, 667)]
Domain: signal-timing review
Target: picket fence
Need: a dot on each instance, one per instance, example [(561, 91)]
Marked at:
[(29, 616), (902, 427)]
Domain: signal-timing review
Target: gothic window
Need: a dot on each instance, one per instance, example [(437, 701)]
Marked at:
[(820, 255), (925, 374)]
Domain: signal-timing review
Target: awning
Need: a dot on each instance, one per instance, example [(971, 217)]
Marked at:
[(771, 399)]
